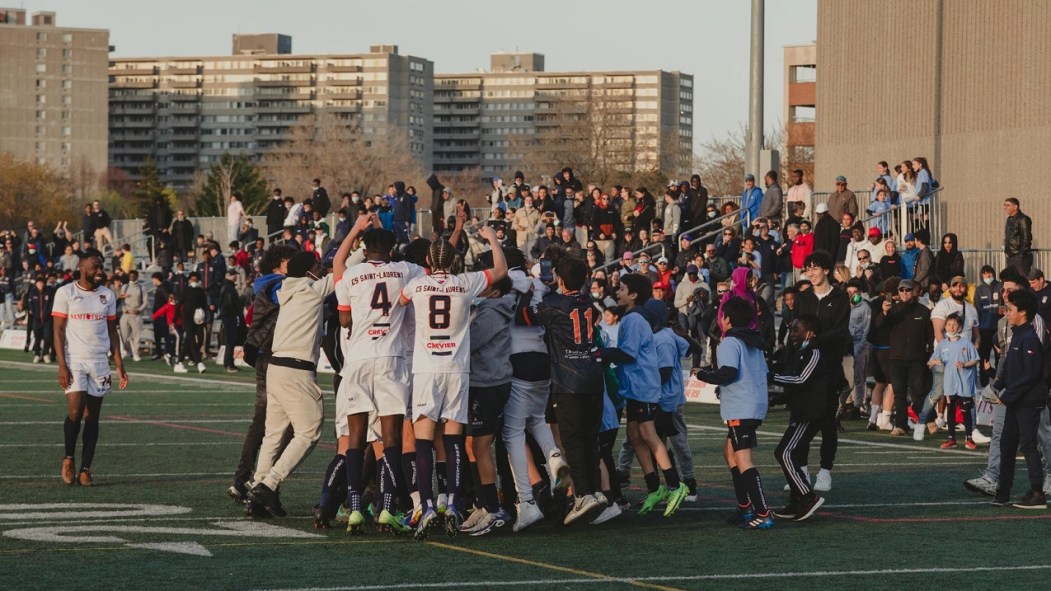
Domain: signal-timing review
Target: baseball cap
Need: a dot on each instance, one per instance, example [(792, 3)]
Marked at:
[(662, 260), (909, 237), (905, 283), (673, 183), (821, 208), (628, 255), (960, 279), (1035, 274), (686, 237), (691, 268), (749, 177), (874, 231), (841, 179)]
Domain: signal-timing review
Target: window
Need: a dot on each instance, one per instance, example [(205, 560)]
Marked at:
[(41, 68), (41, 83), (67, 84), (41, 99), (67, 130), (67, 100), (67, 37), (67, 70), (41, 52), (804, 74), (67, 53), (41, 36)]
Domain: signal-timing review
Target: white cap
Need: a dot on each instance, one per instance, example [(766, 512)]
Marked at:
[(821, 208)]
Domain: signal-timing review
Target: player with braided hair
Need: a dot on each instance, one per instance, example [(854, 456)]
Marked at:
[(440, 367)]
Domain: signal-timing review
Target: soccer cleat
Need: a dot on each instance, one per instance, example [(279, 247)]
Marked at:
[(427, 521), (443, 502), (201, 367), (528, 514), (873, 427), (389, 522), (473, 520), (917, 432), (85, 478), (760, 522), (491, 521), (412, 519), (180, 368), (741, 516), (949, 443), (970, 444), (691, 497), (789, 511), (978, 437), (653, 499), (559, 471), (453, 521), (897, 432), (614, 510), (269, 499), (675, 499), (983, 484), (823, 482), (320, 521), (68, 469), (255, 510), (356, 523), (1034, 499), (342, 514), (582, 506), (807, 506), (237, 491)]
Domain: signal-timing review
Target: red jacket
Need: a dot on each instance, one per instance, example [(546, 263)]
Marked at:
[(802, 247)]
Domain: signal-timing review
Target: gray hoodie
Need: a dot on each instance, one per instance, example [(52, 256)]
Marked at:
[(491, 341)]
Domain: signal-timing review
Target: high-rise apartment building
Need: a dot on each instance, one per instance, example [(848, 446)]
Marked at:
[(53, 106), (185, 112), (800, 102), (643, 119)]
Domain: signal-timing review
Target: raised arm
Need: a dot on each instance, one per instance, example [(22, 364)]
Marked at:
[(361, 225), (499, 270)]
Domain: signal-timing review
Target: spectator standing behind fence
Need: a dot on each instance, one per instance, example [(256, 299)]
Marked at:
[(100, 222), (182, 234), (843, 200), (798, 191), (923, 268), (234, 212), (773, 200), (1018, 237), (275, 215), (949, 260), (751, 199)]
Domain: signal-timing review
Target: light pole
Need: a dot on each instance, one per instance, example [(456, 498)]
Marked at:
[(755, 92)]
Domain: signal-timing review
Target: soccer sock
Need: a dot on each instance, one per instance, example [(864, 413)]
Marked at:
[(874, 413), (754, 485), (389, 481), (425, 470), (454, 460), (671, 478), (71, 430), (490, 500), (739, 488), (542, 493), (355, 460), (653, 481), (333, 475), (440, 471), (91, 439), (408, 470)]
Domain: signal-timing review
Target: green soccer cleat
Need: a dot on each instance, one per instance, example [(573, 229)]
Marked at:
[(342, 514), (389, 522), (675, 498), (356, 523), (653, 499)]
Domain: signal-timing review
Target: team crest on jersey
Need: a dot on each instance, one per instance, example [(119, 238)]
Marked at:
[(102, 298)]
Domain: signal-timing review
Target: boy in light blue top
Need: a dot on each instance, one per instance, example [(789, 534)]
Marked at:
[(743, 394), (671, 424), (960, 359)]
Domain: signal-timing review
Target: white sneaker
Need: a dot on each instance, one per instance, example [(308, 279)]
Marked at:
[(36, 359), (201, 367), (978, 437), (47, 359), (823, 482), (610, 512), (918, 431), (136, 358), (581, 507), (884, 424), (941, 424), (1047, 482), (559, 471), (528, 514), (473, 520), (180, 368)]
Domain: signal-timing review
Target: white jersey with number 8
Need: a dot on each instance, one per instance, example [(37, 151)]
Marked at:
[(442, 304), (369, 291)]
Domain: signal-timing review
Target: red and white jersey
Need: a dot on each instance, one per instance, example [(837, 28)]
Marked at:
[(369, 291), (443, 319), (86, 313)]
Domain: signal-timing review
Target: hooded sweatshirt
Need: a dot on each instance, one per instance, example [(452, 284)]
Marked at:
[(491, 342), (741, 290), (297, 334)]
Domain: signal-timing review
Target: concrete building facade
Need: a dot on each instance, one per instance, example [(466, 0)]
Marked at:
[(800, 101), (479, 115), (185, 112), (53, 98), (965, 84)]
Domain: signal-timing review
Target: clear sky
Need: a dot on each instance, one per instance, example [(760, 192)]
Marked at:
[(706, 38)]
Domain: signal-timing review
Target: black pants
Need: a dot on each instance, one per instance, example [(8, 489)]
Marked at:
[(579, 421), (985, 348), (160, 335), (191, 342), (791, 454), (907, 377), (1020, 428), (1022, 262), (606, 441), (231, 326), (42, 337), (257, 429)]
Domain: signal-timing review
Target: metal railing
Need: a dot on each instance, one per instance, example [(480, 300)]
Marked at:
[(927, 213), (975, 258)]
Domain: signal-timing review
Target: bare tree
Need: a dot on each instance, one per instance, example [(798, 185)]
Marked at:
[(721, 161)]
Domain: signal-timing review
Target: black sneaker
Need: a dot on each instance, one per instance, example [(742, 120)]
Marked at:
[(623, 478), (269, 499), (1001, 499), (237, 491), (321, 521), (256, 511), (807, 506), (1034, 499), (788, 511)]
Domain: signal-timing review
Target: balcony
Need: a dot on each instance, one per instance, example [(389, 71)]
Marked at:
[(186, 70), (342, 82), (184, 97), (145, 71), (802, 94), (282, 83), (287, 69), (183, 122), (133, 84), (342, 68), (184, 84)]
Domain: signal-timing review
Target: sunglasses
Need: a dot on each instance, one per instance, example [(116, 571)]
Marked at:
[(903, 289), (722, 291)]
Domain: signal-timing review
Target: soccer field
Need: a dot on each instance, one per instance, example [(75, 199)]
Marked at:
[(159, 518)]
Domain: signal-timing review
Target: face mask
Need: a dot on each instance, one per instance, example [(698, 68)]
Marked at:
[(194, 284), (952, 335), (355, 199), (804, 345), (855, 299), (987, 280), (711, 214), (596, 295), (477, 301), (342, 219)]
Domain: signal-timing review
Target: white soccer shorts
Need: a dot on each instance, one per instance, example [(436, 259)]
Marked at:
[(440, 396), (94, 378)]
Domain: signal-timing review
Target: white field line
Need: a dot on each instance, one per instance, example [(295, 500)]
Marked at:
[(855, 442)]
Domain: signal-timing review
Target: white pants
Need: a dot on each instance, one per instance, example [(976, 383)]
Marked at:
[(525, 410)]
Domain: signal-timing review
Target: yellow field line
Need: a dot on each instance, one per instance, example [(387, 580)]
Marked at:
[(564, 569), (31, 398)]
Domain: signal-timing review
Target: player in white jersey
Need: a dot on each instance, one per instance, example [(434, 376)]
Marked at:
[(440, 368), (375, 375), (88, 309)]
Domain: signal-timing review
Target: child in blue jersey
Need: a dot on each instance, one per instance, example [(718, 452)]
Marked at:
[(741, 378), (959, 358), (640, 385)]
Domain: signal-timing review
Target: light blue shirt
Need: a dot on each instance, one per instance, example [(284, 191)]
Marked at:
[(960, 382), (747, 396), (641, 380), (671, 348)]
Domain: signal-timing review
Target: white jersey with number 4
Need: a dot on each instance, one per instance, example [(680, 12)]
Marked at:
[(370, 291), (87, 314), (442, 305)]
